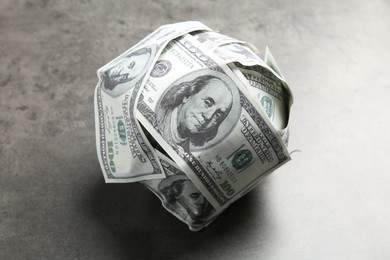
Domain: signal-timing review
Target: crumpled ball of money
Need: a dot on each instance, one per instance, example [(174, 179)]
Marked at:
[(196, 116)]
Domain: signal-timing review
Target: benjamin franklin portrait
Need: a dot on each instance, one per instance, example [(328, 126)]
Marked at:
[(191, 112)]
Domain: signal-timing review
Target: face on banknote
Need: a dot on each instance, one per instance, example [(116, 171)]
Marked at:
[(124, 151), (194, 115), (207, 121), (125, 72), (197, 110), (180, 196)]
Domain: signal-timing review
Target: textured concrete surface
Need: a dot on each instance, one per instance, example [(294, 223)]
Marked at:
[(329, 202)]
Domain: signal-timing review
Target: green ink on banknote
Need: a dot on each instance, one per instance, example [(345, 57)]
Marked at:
[(242, 159), (268, 106), (122, 131), (110, 153), (227, 188)]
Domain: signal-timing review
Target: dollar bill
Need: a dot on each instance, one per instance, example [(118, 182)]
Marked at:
[(161, 36), (237, 52), (264, 81), (270, 92), (205, 119), (180, 196), (271, 62), (212, 40), (124, 152)]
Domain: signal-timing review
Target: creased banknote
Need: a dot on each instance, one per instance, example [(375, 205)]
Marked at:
[(124, 153), (206, 120), (193, 114), (264, 81), (180, 196)]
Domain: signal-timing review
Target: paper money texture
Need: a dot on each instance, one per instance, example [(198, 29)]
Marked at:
[(196, 116)]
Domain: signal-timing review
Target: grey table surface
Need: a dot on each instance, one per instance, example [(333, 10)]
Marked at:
[(330, 202)]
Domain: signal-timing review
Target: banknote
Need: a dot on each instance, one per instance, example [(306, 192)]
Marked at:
[(206, 121), (212, 39), (245, 54), (161, 36), (270, 92), (124, 152), (180, 196), (271, 62), (264, 81), (238, 52)]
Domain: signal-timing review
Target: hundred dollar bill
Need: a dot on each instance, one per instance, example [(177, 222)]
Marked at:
[(238, 52), (270, 61), (212, 40), (265, 82), (124, 153), (205, 119), (271, 93), (162, 35), (180, 196)]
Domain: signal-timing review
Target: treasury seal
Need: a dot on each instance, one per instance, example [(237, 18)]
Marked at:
[(161, 68)]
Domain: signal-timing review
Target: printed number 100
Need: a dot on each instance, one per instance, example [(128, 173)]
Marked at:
[(227, 188)]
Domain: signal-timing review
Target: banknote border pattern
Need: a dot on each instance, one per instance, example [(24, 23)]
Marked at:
[(133, 131), (190, 159), (265, 129), (250, 109), (102, 134), (269, 74)]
